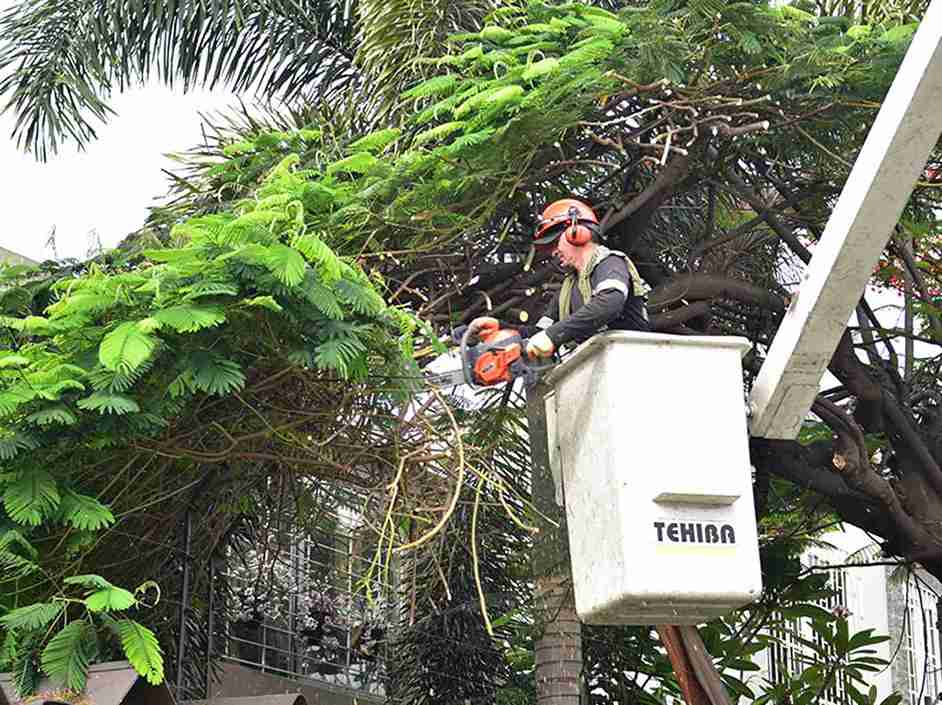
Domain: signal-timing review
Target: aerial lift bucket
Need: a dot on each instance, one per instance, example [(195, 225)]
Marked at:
[(648, 442)]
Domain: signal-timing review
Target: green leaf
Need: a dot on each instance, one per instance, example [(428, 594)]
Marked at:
[(438, 85), (216, 375), (85, 513), (67, 655), (286, 264), (26, 675), (865, 638), (358, 163), (376, 141), (189, 318), (31, 498), (8, 649), (110, 599), (35, 616), (12, 564), (142, 649), (264, 302), (323, 299), (89, 580), (339, 354), (126, 347), (105, 403), (12, 443), (52, 415), (363, 298), (319, 253), (13, 362), (438, 132)]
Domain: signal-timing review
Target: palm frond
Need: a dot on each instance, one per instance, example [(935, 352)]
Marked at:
[(61, 61)]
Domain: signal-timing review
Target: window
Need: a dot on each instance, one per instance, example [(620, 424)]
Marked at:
[(788, 657), (299, 608)]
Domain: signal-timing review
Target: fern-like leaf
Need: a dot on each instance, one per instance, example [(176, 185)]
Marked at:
[(339, 354), (376, 141), (105, 403), (58, 415), (323, 299), (34, 616), (319, 253), (89, 580), (12, 442), (110, 599), (216, 375), (264, 302), (141, 647), (438, 132), (189, 319), (126, 347), (31, 498), (286, 264), (67, 655), (13, 362), (85, 513), (14, 566), (438, 85), (26, 674), (363, 298), (357, 163)]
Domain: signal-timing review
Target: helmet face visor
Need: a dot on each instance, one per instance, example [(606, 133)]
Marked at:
[(547, 239)]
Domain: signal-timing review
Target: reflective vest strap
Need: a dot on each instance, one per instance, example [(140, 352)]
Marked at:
[(638, 287)]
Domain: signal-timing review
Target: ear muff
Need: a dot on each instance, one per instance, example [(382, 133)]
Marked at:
[(579, 232), (578, 235)]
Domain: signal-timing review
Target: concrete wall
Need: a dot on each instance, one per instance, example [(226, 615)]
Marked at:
[(239, 680)]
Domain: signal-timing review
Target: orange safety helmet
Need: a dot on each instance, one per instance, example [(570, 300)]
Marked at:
[(568, 217)]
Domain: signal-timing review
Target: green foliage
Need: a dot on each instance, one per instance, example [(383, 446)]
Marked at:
[(142, 649), (67, 655), (31, 497), (32, 641), (268, 267)]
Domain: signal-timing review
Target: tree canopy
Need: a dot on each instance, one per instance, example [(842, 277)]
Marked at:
[(258, 343)]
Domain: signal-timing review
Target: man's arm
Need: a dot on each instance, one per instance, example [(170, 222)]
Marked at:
[(611, 288)]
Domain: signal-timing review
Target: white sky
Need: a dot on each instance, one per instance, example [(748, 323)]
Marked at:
[(109, 186)]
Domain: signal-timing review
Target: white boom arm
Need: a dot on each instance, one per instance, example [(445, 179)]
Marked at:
[(880, 183)]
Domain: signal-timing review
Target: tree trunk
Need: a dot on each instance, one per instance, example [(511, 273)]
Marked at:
[(559, 649)]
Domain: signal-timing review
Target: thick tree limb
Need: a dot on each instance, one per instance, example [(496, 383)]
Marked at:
[(852, 460), (640, 208), (677, 317), (784, 232), (696, 287)]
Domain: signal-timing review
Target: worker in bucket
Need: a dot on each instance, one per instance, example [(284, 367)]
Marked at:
[(602, 289)]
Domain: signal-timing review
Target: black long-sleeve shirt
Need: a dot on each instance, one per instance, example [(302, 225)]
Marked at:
[(612, 306)]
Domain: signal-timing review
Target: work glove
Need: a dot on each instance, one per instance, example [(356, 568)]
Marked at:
[(483, 325), (540, 345)]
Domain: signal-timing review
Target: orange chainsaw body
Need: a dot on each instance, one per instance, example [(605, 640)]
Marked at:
[(494, 365)]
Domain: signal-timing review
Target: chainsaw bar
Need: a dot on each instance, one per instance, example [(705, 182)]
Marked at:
[(445, 379)]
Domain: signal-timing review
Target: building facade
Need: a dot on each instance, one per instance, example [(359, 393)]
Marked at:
[(888, 599)]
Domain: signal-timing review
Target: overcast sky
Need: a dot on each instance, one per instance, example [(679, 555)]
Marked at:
[(109, 186)]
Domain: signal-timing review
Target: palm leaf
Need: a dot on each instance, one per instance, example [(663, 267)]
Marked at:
[(61, 61)]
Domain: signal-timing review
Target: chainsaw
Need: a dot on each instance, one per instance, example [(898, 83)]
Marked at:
[(497, 356)]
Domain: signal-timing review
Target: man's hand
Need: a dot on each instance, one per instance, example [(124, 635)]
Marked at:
[(540, 345), (483, 324)]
